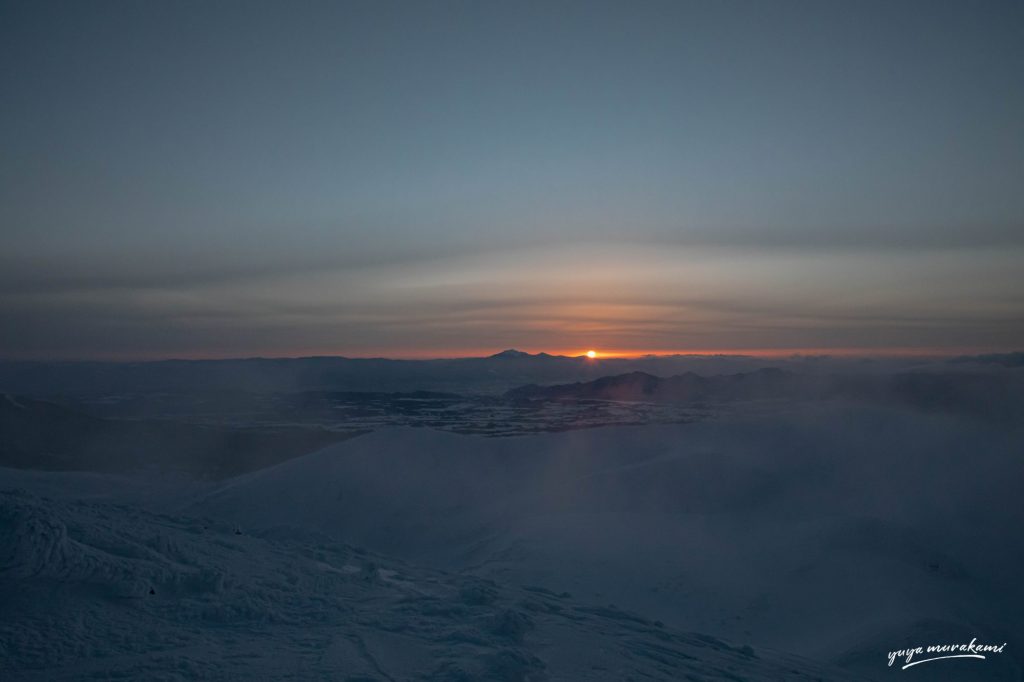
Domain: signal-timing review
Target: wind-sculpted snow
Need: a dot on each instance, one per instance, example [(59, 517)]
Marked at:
[(38, 544), (102, 591)]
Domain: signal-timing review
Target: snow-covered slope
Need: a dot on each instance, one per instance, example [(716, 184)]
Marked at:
[(836, 532), (99, 591)]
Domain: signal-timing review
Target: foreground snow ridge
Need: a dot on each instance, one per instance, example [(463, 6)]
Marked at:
[(98, 591)]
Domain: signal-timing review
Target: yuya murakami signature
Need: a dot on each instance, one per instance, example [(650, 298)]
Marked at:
[(970, 650)]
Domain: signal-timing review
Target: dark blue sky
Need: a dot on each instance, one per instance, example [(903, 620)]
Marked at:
[(237, 178)]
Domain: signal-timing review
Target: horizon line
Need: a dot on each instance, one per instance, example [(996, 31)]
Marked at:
[(476, 354)]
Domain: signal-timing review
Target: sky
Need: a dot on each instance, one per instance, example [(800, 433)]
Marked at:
[(431, 179)]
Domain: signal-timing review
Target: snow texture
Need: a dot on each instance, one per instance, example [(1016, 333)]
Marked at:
[(103, 591), (407, 554)]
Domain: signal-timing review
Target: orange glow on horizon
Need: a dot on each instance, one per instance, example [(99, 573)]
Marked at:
[(629, 353), (776, 352), (438, 354)]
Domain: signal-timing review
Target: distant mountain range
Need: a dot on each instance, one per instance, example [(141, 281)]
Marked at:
[(494, 374)]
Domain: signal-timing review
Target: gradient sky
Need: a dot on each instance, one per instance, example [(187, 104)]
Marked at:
[(204, 179)]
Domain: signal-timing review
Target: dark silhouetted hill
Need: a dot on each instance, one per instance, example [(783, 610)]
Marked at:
[(998, 395), (35, 434)]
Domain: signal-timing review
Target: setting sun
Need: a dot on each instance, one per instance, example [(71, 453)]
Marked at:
[(591, 354)]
